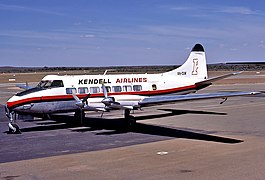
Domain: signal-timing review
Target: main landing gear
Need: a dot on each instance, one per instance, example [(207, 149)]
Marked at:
[(130, 120), (80, 116)]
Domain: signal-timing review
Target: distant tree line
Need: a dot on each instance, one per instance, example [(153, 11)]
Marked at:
[(135, 69)]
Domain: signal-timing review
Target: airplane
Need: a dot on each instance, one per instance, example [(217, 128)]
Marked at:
[(127, 92)]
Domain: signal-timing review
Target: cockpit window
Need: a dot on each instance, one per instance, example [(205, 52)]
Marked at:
[(50, 84), (42, 84), (57, 83)]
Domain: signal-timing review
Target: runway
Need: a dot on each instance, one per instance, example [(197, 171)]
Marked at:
[(191, 140)]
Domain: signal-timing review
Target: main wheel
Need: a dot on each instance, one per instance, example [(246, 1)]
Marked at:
[(79, 117), (130, 122)]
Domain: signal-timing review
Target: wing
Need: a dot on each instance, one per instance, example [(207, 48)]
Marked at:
[(151, 101)]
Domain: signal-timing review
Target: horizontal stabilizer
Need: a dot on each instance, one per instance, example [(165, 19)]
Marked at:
[(24, 86), (211, 80)]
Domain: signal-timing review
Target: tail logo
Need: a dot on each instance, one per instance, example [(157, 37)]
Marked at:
[(195, 67)]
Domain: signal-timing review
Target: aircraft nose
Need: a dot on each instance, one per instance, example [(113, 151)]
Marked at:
[(10, 102)]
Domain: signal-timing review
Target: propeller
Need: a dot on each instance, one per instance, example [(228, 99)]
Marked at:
[(81, 104), (108, 101)]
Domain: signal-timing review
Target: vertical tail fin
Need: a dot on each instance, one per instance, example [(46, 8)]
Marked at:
[(195, 66)]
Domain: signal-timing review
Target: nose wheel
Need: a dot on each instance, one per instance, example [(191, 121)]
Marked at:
[(13, 129)]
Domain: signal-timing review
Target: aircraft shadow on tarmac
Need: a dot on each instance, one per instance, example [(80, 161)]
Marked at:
[(118, 126)]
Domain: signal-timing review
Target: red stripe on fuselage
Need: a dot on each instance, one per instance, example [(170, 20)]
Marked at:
[(14, 104)]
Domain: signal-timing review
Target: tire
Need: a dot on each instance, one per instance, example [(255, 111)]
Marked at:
[(130, 123)]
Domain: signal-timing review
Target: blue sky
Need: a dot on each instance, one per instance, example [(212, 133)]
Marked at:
[(129, 32)]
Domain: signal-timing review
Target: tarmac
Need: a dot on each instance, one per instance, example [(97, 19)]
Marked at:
[(191, 140)]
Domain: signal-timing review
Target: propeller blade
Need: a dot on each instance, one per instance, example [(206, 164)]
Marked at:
[(75, 96), (104, 89), (79, 103), (85, 99)]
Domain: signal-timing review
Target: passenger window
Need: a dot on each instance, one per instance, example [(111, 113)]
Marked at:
[(57, 83), (83, 90), (116, 88), (154, 87), (127, 88), (94, 90), (137, 88), (70, 90)]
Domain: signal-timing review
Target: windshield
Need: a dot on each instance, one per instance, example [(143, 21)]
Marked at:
[(50, 83)]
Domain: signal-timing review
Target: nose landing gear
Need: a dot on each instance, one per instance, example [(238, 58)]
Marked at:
[(13, 127)]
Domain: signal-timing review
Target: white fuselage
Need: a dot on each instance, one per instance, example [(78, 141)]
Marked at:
[(126, 89)]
